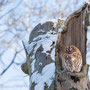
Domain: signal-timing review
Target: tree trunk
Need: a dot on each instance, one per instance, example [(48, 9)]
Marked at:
[(74, 33)]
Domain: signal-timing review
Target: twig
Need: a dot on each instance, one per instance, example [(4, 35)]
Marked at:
[(9, 64), (25, 48)]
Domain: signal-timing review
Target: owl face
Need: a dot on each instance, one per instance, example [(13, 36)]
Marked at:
[(69, 49)]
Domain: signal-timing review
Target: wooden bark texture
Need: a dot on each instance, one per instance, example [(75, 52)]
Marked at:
[(74, 33)]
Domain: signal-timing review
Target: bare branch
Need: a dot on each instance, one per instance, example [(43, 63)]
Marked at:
[(9, 64)]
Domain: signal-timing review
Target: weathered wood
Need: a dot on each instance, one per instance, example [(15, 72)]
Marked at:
[(74, 33), (88, 16), (71, 81)]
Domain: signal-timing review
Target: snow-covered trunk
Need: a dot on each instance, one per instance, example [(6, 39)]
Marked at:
[(74, 33), (40, 54)]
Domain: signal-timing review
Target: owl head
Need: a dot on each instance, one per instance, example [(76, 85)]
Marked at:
[(70, 49)]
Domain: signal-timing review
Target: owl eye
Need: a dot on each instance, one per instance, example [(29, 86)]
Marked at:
[(71, 49), (66, 56)]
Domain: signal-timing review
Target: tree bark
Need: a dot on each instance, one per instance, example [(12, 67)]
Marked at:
[(74, 33)]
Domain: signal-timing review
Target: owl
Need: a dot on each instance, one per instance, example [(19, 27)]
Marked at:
[(72, 59)]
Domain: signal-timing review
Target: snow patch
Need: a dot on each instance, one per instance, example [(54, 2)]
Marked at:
[(53, 54), (32, 66), (47, 76)]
